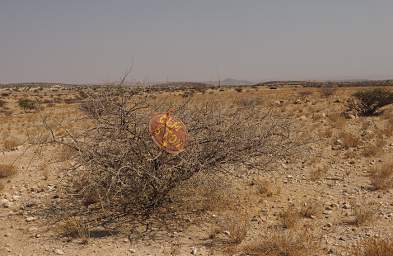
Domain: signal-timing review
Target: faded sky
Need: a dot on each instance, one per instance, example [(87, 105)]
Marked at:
[(95, 41)]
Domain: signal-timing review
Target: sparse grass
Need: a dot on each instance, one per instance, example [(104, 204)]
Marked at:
[(7, 170), (235, 228), (382, 177), (290, 217), (311, 208), (373, 247), (299, 242)]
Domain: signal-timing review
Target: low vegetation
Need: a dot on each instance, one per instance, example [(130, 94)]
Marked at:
[(373, 247), (369, 102)]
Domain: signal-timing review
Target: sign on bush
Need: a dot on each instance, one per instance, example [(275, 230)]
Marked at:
[(169, 133)]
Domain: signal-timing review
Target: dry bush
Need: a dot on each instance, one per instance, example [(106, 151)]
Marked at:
[(363, 214), (368, 102), (7, 170), (310, 208), (373, 247), (267, 187), (290, 217), (299, 242), (327, 91), (118, 162), (382, 177)]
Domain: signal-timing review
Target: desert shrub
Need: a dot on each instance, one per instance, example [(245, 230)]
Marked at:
[(382, 177), (348, 140), (373, 247), (7, 170), (368, 102), (27, 104), (118, 162), (328, 91)]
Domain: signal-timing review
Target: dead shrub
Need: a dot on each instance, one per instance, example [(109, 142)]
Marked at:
[(290, 217), (368, 102), (382, 177), (7, 170), (373, 247), (118, 162), (299, 242)]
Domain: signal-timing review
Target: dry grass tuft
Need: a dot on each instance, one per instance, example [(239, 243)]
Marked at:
[(298, 242), (7, 170), (2, 186), (373, 247), (382, 177)]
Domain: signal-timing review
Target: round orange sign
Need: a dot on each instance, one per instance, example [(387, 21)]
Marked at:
[(168, 133)]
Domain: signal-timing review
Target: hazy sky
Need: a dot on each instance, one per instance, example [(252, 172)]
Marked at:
[(96, 41)]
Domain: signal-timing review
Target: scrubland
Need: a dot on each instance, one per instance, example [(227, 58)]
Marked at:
[(269, 172)]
